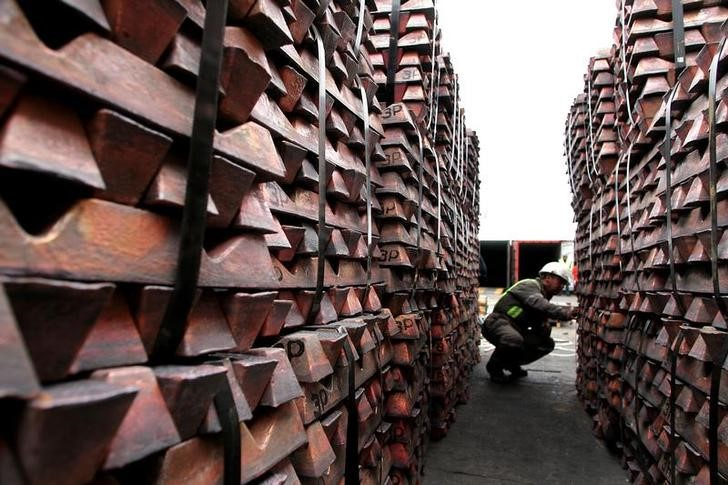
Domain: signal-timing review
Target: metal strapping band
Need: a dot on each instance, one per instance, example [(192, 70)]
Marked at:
[(586, 151), (174, 323), (322, 174), (367, 164), (666, 149), (455, 120), (629, 216), (590, 129), (569, 148), (433, 123), (433, 61), (616, 208), (673, 401), (419, 209), (352, 428), (591, 255), (393, 45), (439, 202), (624, 64), (360, 27), (720, 360), (227, 414), (678, 34)]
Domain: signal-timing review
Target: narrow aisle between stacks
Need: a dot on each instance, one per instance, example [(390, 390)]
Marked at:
[(531, 432)]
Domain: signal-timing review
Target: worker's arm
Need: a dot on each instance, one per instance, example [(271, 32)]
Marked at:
[(529, 294)]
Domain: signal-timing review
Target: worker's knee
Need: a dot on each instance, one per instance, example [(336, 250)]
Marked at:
[(512, 339)]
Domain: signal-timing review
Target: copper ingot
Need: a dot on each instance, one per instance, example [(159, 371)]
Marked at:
[(246, 314), (44, 136), (228, 185), (49, 312), (283, 385), (189, 392), (47, 434), (313, 459), (255, 213), (127, 154), (11, 82), (183, 58), (146, 29), (170, 184), (283, 473), (149, 256), (113, 340), (253, 374), (295, 84), (276, 318), (84, 63), (269, 438), (307, 356), (243, 53), (198, 461), (18, 377), (266, 21), (148, 427), (352, 304)]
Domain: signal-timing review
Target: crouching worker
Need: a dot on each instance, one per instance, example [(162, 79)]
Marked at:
[(519, 326)]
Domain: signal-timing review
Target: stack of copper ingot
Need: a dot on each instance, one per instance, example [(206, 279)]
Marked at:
[(670, 271), (97, 111), (592, 149), (428, 261)]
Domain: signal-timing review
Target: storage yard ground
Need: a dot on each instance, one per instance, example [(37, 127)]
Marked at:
[(532, 432)]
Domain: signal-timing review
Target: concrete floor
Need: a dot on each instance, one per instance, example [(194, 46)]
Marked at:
[(531, 432)]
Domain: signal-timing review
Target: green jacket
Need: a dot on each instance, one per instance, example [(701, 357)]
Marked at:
[(527, 305)]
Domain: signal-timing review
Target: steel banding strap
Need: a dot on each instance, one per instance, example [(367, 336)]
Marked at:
[(678, 34), (439, 203), (227, 414), (192, 235), (322, 169), (616, 208), (586, 151), (624, 64), (393, 44), (591, 255), (601, 227), (719, 361), (623, 369), (359, 28), (569, 148), (666, 149), (433, 61), (590, 128), (629, 216), (667, 155), (453, 135), (433, 123), (462, 153), (674, 349), (367, 164), (352, 428), (419, 210)]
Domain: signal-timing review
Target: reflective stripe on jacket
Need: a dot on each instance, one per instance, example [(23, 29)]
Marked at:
[(527, 305)]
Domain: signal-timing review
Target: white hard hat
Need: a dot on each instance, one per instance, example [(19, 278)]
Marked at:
[(557, 269)]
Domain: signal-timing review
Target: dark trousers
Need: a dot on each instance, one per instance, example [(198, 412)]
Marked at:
[(514, 348)]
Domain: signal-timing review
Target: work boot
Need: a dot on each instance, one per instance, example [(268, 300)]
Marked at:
[(496, 372), (518, 372)]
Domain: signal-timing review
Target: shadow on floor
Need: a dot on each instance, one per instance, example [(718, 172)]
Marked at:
[(532, 432)]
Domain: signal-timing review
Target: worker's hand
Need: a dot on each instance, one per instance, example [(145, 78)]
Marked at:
[(573, 313)]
